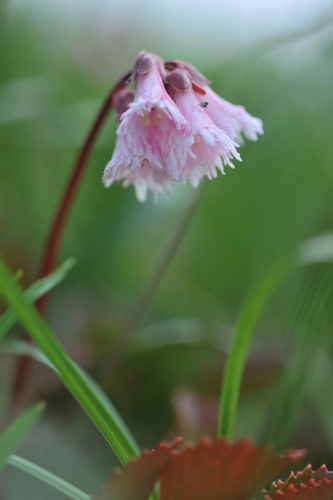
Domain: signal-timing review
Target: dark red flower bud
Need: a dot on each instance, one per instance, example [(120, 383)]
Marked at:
[(144, 63), (122, 101), (179, 80)]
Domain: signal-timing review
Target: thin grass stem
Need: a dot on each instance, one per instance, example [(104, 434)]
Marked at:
[(48, 477), (235, 366)]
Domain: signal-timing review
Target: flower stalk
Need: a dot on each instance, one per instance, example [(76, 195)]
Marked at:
[(58, 225), (167, 133)]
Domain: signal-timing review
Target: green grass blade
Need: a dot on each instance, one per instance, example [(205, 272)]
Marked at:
[(308, 335), (306, 325), (314, 251), (16, 432), (73, 378), (35, 291), (240, 346), (48, 478), (23, 348)]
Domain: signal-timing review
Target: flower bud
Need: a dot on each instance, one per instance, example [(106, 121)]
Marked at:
[(122, 101), (144, 63), (179, 80)]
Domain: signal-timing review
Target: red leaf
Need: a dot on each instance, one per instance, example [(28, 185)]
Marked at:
[(218, 470), (136, 481), (305, 485)]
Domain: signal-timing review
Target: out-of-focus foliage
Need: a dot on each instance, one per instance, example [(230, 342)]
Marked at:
[(36, 290), (52, 81), (306, 484), (12, 437), (210, 469)]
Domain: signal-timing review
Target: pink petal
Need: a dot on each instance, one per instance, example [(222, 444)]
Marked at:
[(152, 130), (147, 178), (211, 148), (232, 119)]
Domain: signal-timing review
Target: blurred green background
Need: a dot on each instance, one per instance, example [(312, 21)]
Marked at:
[(57, 63)]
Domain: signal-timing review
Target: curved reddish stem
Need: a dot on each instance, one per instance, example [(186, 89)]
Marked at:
[(57, 228), (58, 225)]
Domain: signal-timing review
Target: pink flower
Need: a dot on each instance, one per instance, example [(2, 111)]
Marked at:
[(233, 120), (147, 178), (212, 148), (174, 128), (154, 138)]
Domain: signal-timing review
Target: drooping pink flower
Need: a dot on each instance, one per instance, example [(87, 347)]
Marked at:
[(233, 120), (153, 136), (147, 178), (174, 129), (212, 147)]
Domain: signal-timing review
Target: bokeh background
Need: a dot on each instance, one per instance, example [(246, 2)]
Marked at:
[(58, 60)]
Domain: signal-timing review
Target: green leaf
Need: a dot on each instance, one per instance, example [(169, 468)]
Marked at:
[(314, 251), (308, 333), (72, 376), (35, 291), (234, 370), (16, 432), (48, 478), (23, 348)]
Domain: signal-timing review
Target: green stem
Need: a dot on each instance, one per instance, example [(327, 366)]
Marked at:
[(152, 282), (164, 259), (58, 225)]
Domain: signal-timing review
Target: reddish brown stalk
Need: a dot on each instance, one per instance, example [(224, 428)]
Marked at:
[(58, 225)]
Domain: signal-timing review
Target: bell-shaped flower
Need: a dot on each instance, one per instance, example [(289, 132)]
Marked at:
[(173, 128), (212, 148), (151, 132), (147, 178), (233, 120)]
